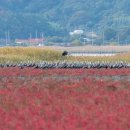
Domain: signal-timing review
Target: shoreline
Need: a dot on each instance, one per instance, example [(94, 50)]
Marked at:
[(89, 48)]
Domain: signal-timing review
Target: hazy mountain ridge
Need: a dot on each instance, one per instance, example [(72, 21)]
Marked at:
[(60, 16)]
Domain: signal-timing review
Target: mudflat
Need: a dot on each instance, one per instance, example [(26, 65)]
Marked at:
[(89, 48)]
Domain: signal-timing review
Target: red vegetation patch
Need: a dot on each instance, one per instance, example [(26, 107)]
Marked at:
[(64, 99)]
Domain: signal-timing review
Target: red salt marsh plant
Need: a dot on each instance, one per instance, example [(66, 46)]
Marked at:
[(64, 99)]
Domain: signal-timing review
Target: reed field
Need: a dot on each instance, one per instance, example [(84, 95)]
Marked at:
[(25, 54), (117, 58), (21, 54)]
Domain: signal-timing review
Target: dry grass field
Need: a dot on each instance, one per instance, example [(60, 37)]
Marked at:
[(54, 53), (24, 54)]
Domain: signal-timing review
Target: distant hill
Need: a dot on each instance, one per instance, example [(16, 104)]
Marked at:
[(58, 17)]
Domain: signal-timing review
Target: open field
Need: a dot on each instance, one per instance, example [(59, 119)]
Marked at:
[(24, 54), (64, 99)]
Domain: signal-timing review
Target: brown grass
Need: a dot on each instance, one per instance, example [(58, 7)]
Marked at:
[(18, 54)]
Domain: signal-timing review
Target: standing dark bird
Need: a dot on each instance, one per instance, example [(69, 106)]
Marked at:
[(65, 53)]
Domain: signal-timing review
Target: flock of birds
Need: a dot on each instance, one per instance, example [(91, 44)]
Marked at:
[(66, 64)]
